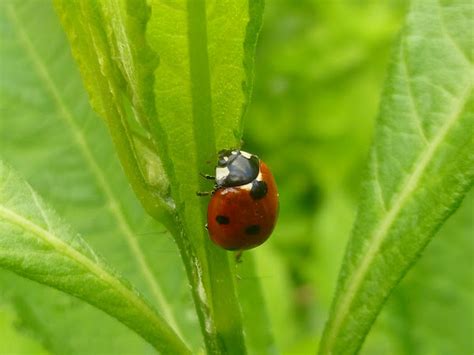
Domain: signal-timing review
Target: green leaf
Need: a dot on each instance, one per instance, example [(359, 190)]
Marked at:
[(51, 135), (421, 165), (177, 111), (200, 104), (36, 244), (101, 39), (411, 322)]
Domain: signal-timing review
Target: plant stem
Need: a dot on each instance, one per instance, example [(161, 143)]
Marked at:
[(221, 292)]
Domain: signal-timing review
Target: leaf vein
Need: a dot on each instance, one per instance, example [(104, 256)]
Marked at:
[(449, 35), (411, 97), (378, 235), (112, 204), (378, 187), (78, 258), (37, 204)]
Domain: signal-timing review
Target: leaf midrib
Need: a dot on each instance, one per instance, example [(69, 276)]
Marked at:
[(83, 261), (224, 329), (112, 204), (203, 133), (378, 236)]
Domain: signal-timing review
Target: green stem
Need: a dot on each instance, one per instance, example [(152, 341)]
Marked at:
[(194, 271), (224, 306)]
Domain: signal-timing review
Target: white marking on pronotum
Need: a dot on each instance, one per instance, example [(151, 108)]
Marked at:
[(247, 187), (245, 154), (222, 173)]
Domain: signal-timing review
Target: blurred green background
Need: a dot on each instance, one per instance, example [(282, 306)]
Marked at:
[(320, 68)]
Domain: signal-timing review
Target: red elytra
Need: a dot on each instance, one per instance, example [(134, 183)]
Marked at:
[(236, 220)]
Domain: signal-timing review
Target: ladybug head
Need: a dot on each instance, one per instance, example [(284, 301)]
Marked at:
[(236, 168)]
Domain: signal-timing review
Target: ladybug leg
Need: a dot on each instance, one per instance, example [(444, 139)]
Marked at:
[(208, 177), (238, 256), (204, 193)]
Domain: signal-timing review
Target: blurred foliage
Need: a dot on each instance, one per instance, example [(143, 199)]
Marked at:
[(319, 73), (12, 341), (320, 67)]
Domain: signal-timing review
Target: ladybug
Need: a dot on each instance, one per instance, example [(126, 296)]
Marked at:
[(243, 209)]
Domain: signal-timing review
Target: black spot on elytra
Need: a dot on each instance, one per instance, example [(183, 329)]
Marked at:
[(222, 219), (259, 189), (253, 229)]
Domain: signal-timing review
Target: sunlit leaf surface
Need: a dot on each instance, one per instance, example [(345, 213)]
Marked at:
[(36, 244), (51, 135)]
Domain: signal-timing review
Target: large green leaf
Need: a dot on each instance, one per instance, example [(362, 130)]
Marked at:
[(101, 41), (36, 244), (421, 165), (442, 322), (201, 91), (172, 81), (48, 130)]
